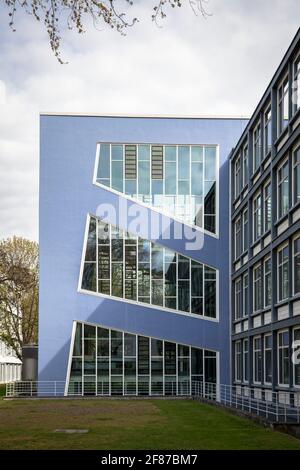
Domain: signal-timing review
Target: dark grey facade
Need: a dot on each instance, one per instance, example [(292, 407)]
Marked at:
[(265, 233)]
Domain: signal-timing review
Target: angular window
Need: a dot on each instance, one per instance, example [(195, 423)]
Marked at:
[(179, 180), (126, 266), (237, 238), (245, 295), (283, 189), (113, 362)]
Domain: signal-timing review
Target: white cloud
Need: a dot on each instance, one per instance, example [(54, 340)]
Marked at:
[(220, 65)]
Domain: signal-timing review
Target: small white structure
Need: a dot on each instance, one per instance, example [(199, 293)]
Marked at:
[(10, 365)]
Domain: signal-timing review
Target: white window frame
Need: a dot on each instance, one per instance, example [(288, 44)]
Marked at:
[(254, 282), (257, 144), (245, 221), (278, 362), (245, 155), (280, 181), (269, 335), (279, 249), (238, 343), (267, 121), (265, 200), (245, 366), (296, 149), (236, 282), (261, 358), (296, 85), (245, 298), (280, 104), (257, 211), (268, 258), (238, 220), (237, 176)]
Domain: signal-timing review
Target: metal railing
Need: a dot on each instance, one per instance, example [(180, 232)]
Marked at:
[(278, 406), (283, 407)]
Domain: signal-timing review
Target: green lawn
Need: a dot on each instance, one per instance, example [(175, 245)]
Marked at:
[(131, 424)]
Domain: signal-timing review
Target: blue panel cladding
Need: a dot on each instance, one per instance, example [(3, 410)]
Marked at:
[(67, 195)]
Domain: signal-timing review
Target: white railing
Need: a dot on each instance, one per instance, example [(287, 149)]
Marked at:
[(278, 406), (274, 406)]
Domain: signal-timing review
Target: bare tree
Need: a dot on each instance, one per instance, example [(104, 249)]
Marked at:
[(56, 14), (18, 293)]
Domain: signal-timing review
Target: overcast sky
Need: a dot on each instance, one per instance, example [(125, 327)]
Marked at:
[(217, 66)]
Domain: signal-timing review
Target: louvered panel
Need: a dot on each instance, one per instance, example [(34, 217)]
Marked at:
[(130, 162), (157, 163)]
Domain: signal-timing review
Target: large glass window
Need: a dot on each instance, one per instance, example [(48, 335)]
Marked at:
[(283, 273), (257, 360), (283, 189), (257, 287), (131, 268), (268, 359), (296, 176), (110, 362), (296, 264), (283, 358), (179, 180), (283, 105), (257, 216)]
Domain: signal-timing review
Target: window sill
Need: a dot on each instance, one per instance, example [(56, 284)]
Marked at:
[(281, 303), (282, 219), (283, 133), (295, 116)]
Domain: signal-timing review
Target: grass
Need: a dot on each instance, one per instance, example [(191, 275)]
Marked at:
[(131, 424), (2, 390)]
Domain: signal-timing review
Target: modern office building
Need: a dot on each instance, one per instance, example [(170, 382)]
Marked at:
[(265, 218), (134, 261), (167, 258), (10, 365)]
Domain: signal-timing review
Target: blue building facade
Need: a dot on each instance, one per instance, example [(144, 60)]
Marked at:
[(113, 320)]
